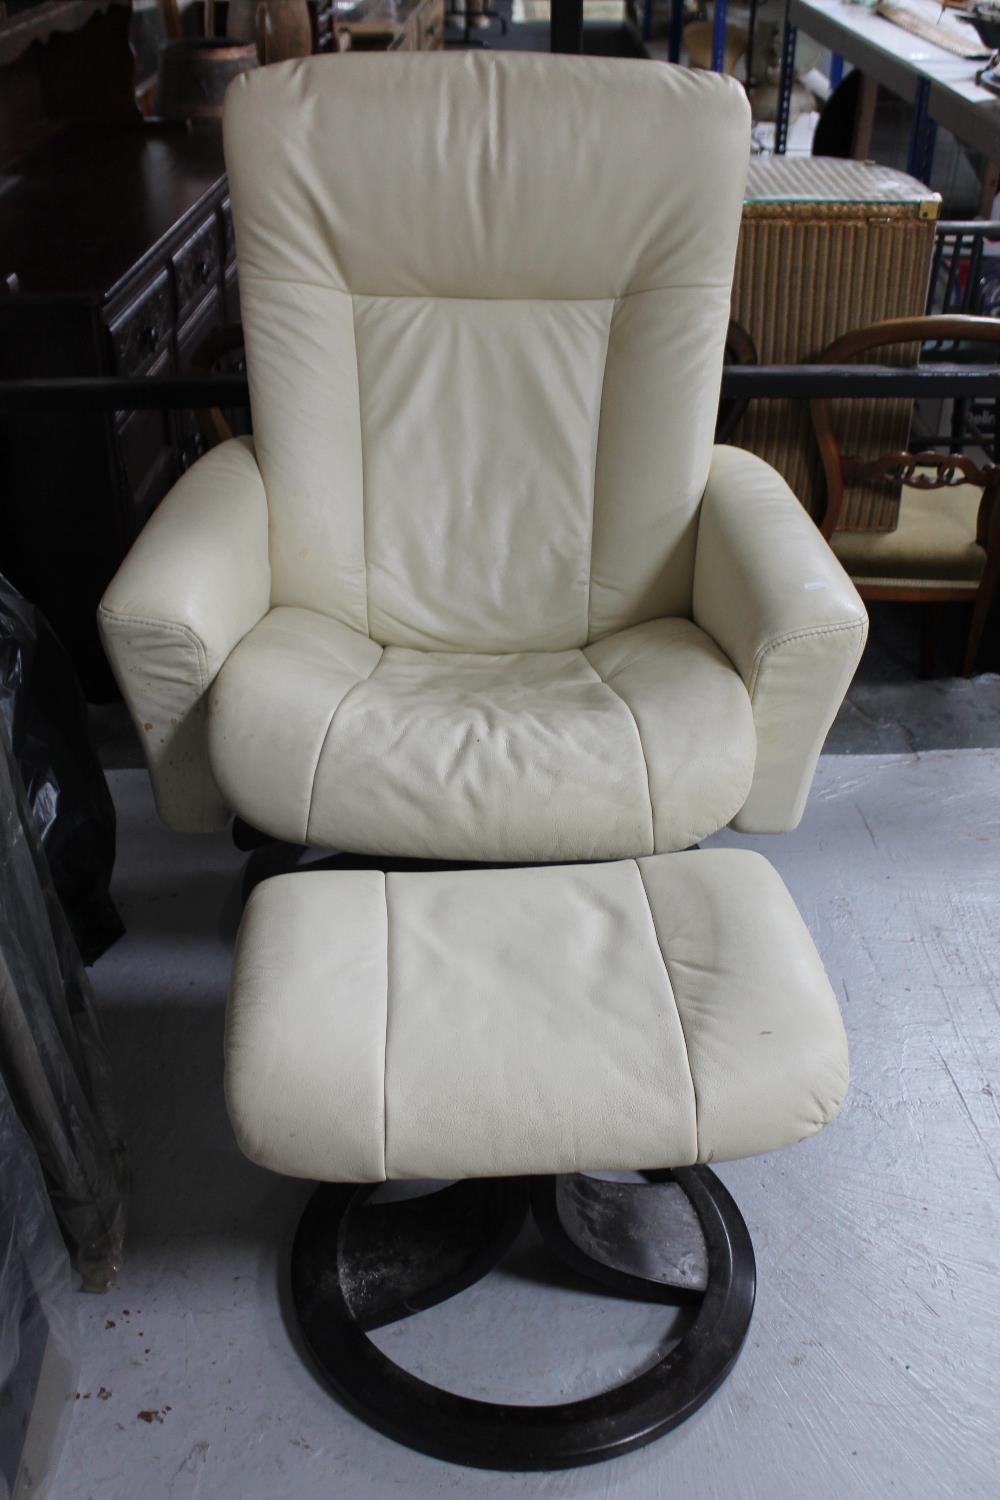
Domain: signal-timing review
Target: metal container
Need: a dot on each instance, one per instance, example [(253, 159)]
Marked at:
[(195, 72)]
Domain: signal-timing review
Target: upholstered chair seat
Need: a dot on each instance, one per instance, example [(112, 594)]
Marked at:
[(641, 742), (479, 587), (934, 543)]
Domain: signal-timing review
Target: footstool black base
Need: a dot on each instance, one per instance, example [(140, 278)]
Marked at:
[(673, 1237)]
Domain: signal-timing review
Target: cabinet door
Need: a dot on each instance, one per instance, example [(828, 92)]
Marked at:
[(197, 268), (190, 443), (146, 456)]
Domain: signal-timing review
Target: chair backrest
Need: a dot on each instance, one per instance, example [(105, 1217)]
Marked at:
[(485, 299), (925, 470)]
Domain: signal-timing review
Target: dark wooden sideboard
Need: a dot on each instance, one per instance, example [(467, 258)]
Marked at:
[(116, 257), (137, 266)]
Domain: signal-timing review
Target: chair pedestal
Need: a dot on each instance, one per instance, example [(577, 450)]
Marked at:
[(673, 1237)]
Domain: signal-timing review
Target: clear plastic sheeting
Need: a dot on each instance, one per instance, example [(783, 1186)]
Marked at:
[(39, 1334), (54, 1061), (46, 717)]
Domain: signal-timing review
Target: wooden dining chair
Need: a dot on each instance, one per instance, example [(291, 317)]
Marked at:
[(945, 548), (739, 350)]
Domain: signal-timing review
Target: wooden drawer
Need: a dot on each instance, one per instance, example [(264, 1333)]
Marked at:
[(192, 334), (143, 330), (197, 265), (374, 36)]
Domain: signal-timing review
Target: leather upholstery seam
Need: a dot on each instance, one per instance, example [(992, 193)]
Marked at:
[(677, 1009), (361, 460), (385, 1042), (813, 633), (201, 654), (642, 749), (343, 291), (204, 677), (336, 710), (597, 459)]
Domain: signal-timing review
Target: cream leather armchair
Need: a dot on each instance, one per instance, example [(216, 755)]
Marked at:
[(480, 588)]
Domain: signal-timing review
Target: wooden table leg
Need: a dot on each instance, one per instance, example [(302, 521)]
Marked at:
[(864, 120)]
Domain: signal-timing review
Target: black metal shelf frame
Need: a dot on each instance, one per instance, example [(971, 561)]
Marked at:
[(740, 382)]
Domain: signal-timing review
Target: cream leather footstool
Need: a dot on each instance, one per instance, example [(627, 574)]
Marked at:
[(512, 1031)]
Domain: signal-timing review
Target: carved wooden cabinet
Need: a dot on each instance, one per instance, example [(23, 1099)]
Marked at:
[(138, 265), (116, 257)]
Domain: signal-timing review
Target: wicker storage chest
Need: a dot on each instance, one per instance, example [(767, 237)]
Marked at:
[(826, 246)]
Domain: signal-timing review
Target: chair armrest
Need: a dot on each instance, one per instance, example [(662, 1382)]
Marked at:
[(772, 595), (196, 580)]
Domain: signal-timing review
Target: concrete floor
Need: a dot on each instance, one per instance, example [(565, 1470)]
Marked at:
[(890, 708), (871, 1366)]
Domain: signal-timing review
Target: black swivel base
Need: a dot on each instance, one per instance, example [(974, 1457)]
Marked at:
[(673, 1237)]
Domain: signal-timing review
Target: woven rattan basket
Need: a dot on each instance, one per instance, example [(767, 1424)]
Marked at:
[(826, 246)]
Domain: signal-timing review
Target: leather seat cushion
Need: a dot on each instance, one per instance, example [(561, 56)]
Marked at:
[(642, 742), (934, 542), (648, 1013)]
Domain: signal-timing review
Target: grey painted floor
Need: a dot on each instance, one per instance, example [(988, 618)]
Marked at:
[(888, 706), (871, 1367)]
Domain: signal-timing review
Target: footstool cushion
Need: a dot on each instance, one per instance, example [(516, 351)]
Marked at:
[(638, 1014)]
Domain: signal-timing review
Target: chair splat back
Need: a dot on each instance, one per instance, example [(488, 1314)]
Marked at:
[(905, 468)]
